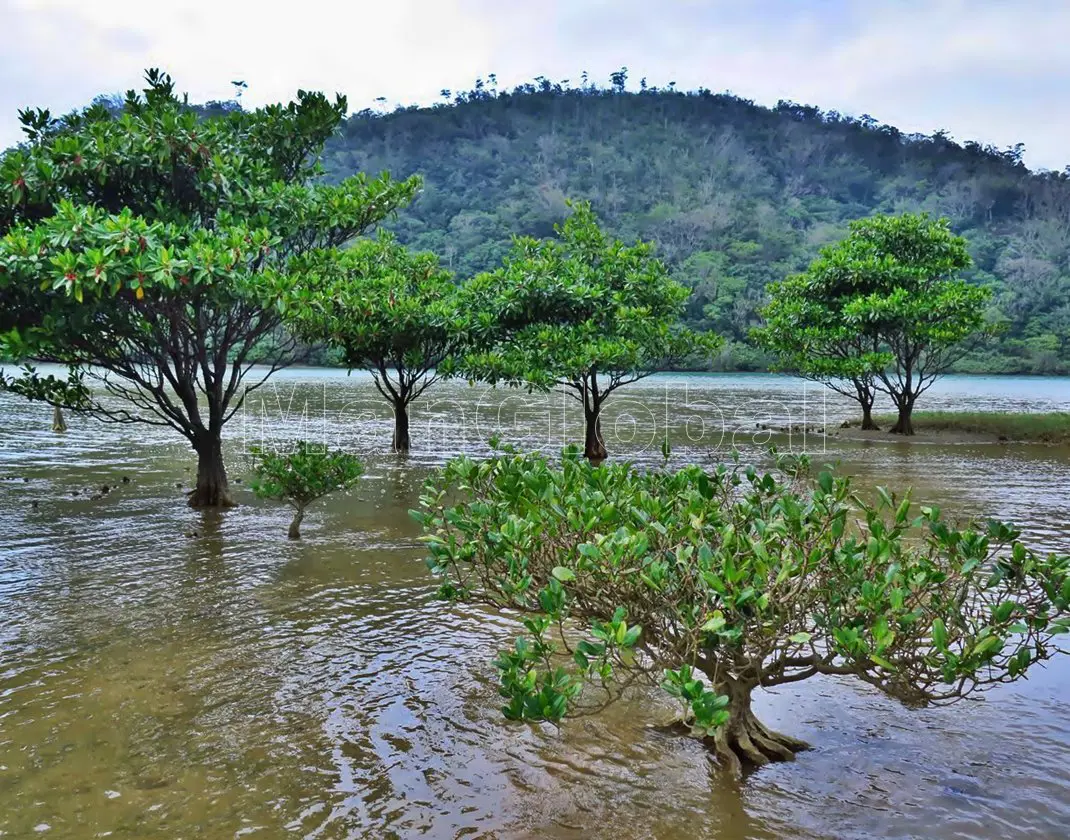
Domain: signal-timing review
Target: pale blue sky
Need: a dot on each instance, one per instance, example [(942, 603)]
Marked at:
[(997, 71)]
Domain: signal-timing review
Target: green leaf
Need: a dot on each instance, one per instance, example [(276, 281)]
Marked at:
[(714, 623), (987, 645), (563, 574), (939, 634)]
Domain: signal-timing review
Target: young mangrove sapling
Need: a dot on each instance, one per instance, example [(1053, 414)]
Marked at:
[(299, 477)]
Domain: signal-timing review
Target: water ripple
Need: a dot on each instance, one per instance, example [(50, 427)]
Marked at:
[(165, 672)]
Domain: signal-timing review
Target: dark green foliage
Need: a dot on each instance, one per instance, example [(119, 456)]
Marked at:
[(882, 310), (583, 312), (394, 313), (715, 584), (301, 476), (734, 195), (145, 245)]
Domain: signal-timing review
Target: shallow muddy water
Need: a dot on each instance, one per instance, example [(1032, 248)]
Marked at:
[(170, 673)]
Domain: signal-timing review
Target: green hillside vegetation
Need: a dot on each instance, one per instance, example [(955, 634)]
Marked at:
[(735, 195)]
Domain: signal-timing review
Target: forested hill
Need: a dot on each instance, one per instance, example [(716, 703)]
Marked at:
[(735, 195)]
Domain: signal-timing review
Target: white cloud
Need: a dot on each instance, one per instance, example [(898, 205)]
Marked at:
[(983, 69)]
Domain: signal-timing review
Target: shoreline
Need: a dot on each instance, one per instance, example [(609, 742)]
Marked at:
[(966, 427)]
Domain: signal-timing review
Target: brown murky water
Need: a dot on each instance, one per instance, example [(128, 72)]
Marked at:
[(167, 673)]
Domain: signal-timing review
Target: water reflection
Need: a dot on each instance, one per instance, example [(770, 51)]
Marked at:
[(165, 672)]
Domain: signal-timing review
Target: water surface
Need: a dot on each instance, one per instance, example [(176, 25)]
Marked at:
[(171, 673)]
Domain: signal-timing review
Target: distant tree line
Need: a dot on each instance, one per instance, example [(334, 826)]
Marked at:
[(733, 195)]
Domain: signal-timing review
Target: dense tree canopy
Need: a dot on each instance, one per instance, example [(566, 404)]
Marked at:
[(734, 196), (807, 332), (396, 314), (884, 309), (147, 247), (715, 584), (583, 312), (906, 293)]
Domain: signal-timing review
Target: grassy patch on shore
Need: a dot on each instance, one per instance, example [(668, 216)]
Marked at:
[(1051, 427)]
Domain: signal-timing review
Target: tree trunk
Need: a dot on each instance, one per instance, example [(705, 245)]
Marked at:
[(903, 424), (400, 443), (867, 417), (211, 489), (594, 447), (295, 526), (58, 423), (865, 396), (744, 742)]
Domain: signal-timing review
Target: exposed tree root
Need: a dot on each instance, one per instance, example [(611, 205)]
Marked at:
[(794, 745), (745, 744), (726, 755)]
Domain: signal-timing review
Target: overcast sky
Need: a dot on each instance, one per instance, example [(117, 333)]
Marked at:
[(997, 71)]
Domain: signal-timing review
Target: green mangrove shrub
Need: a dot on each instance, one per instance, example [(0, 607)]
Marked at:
[(301, 476), (714, 584)]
